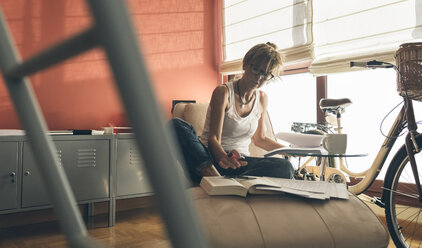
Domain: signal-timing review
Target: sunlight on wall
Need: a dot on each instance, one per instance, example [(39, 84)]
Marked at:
[(178, 43), (291, 99), (374, 95)]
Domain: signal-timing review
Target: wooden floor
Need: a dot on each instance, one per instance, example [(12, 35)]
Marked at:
[(134, 228), (140, 227)]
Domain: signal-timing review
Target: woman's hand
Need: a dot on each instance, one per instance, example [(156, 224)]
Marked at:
[(233, 160)]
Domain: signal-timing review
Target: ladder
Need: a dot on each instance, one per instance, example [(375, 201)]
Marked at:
[(112, 30)]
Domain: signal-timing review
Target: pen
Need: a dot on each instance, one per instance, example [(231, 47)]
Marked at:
[(240, 177), (230, 154)]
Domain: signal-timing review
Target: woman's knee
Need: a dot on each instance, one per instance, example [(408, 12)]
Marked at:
[(284, 168), (180, 125), (177, 122), (290, 171), (273, 167)]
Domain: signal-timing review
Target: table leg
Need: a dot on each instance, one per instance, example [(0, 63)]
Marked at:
[(112, 212), (323, 168), (90, 209)]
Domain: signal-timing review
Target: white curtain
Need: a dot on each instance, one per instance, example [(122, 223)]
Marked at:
[(331, 32), (361, 30), (286, 23)]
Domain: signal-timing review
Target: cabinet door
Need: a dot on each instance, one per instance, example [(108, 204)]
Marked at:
[(33, 189), (8, 175), (86, 164), (131, 175)]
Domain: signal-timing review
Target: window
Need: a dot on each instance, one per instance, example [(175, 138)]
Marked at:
[(361, 30), (332, 32), (291, 99), (287, 23), (374, 95)]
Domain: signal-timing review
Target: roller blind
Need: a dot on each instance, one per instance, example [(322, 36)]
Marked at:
[(286, 23), (361, 30)]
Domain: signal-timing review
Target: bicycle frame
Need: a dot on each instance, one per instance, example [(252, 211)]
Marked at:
[(400, 228), (411, 144), (368, 176), (406, 115)]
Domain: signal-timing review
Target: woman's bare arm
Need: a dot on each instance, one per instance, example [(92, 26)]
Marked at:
[(219, 104), (260, 139)]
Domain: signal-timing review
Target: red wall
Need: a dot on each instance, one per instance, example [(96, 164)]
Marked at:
[(178, 39)]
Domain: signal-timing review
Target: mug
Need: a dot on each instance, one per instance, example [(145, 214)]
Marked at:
[(335, 143)]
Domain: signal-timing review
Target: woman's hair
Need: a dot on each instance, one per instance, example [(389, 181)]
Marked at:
[(264, 53)]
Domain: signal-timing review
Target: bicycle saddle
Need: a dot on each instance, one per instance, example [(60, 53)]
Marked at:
[(334, 105)]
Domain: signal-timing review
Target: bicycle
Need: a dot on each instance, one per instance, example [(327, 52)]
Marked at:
[(401, 191)]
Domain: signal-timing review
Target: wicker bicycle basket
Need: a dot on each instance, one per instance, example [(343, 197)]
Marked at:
[(409, 63)]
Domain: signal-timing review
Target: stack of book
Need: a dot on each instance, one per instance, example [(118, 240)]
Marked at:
[(115, 130), (87, 132)]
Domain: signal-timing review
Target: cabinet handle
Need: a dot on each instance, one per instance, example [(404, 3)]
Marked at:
[(12, 175), (27, 173)]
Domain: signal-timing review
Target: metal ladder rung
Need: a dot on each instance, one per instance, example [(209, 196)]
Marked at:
[(54, 55)]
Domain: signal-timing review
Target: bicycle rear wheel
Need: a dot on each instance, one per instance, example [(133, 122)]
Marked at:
[(403, 210)]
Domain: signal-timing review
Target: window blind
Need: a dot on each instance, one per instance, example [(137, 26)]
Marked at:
[(246, 23), (361, 30)]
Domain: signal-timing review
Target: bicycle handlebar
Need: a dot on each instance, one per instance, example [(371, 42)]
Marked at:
[(371, 64)]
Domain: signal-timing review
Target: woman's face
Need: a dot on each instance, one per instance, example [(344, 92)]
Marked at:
[(255, 76)]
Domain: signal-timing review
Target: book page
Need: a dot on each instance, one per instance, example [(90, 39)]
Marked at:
[(315, 189), (252, 181), (223, 182), (309, 186), (301, 193)]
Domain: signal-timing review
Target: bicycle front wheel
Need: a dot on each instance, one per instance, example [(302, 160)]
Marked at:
[(403, 210)]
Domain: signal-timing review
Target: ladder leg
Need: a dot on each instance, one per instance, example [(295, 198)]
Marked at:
[(153, 139)]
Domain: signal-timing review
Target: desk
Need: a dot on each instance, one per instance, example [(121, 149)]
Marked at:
[(320, 153)]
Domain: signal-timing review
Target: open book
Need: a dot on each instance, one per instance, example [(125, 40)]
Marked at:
[(240, 186), (243, 186)]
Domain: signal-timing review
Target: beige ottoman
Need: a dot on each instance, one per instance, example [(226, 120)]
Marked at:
[(288, 221)]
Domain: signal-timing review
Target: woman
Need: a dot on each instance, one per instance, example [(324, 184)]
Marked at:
[(235, 116)]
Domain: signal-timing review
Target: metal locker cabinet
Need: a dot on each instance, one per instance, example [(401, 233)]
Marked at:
[(33, 189), (86, 163), (131, 174), (9, 175)]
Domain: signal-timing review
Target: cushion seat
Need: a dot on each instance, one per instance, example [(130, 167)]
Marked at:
[(288, 221)]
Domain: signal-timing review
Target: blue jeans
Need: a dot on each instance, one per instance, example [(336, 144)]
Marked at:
[(197, 156)]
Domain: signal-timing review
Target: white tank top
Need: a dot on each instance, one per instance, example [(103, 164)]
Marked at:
[(237, 131)]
